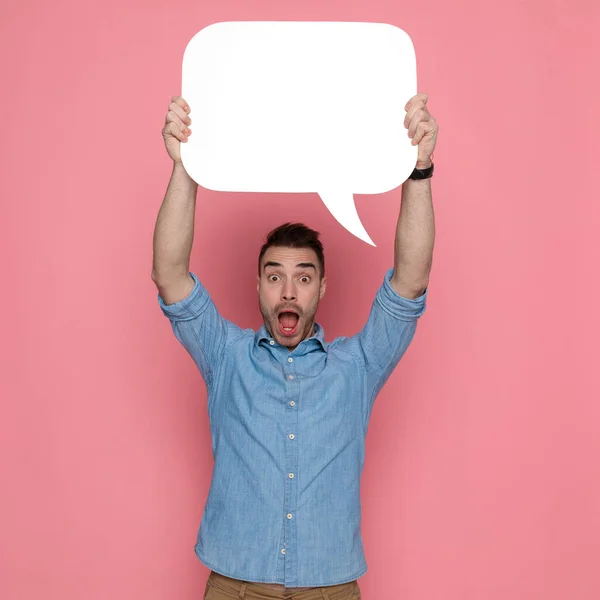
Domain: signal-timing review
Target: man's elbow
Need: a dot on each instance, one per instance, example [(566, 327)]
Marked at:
[(409, 289)]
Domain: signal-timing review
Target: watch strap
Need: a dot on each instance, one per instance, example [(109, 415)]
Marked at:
[(422, 173)]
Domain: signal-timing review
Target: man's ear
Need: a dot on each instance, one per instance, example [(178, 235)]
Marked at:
[(323, 287), (258, 283)]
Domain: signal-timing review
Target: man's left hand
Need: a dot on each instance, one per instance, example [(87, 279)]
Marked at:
[(422, 128)]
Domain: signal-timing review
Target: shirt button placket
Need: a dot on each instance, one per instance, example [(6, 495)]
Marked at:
[(291, 471)]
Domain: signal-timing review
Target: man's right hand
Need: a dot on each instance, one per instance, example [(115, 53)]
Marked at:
[(177, 127)]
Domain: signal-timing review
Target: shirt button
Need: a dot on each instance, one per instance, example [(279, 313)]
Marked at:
[(291, 476), (283, 551), (290, 359), (291, 377), (292, 403), (289, 515), (291, 436), (272, 342)]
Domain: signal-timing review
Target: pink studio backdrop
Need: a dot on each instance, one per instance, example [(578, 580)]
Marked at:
[(482, 478)]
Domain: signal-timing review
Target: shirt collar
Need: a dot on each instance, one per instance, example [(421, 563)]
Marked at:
[(318, 339)]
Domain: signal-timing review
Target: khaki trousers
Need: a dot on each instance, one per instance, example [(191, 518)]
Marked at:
[(219, 587)]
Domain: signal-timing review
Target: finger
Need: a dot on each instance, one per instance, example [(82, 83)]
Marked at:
[(423, 128), (180, 112), (420, 115), (181, 102), (173, 118), (173, 130), (416, 99), (414, 108)]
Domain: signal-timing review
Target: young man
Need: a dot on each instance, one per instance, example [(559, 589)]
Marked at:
[(289, 411)]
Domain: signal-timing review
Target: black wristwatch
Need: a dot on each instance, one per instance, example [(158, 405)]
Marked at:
[(422, 173)]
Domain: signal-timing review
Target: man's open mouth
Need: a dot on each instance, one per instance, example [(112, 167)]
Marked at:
[(288, 322)]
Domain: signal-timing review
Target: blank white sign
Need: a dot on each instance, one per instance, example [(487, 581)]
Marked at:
[(300, 107)]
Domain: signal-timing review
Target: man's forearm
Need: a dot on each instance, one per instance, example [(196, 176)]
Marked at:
[(415, 235), (174, 230)]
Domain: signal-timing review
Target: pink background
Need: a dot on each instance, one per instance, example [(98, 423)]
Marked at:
[(482, 478)]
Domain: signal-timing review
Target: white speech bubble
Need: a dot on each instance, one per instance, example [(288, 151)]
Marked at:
[(300, 107)]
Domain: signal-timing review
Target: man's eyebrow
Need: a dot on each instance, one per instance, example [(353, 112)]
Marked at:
[(304, 265), (271, 263)]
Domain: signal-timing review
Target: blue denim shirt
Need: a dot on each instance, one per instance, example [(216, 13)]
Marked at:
[(288, 432)]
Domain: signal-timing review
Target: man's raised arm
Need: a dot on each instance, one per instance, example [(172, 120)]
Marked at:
[(415, 232), (174, 230)]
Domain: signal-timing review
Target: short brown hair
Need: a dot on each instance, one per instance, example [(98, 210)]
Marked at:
[(294, 235)]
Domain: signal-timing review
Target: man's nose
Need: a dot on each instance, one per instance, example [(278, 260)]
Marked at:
[(288, 292)]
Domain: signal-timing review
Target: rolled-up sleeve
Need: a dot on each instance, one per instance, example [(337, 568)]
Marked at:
[(199, 327), (395, 305), (386, 335)]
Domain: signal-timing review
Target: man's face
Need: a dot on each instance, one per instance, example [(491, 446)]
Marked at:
[(289, 289)]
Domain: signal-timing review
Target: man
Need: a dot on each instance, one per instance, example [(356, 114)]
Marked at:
[(289, 411)]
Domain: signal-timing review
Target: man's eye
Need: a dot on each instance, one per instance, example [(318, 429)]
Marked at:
[(304, 279), (273, 277)]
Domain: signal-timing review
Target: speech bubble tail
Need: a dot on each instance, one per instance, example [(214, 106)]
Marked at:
[(341, 206)]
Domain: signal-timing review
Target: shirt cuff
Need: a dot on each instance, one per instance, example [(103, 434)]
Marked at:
[(397, 306), (189, 308)]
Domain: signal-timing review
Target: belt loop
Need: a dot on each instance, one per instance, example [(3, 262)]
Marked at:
[(242, 593), (324, 594)]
